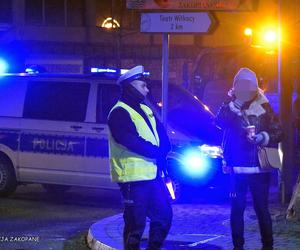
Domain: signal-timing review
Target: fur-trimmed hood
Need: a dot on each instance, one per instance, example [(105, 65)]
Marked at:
[(255, 108)]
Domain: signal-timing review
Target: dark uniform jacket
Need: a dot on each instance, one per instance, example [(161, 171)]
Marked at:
[(124, 132)]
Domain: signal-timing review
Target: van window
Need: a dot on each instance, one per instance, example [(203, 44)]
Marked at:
[(11, 87), (107, 97), (61, 101)]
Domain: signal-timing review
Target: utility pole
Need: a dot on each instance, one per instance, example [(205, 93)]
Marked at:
[(119, 8), (286, 91)]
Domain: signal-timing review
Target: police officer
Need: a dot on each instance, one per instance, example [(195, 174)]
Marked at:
[(138, 145)]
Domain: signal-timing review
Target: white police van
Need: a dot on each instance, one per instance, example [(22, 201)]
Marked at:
[(53, 128)]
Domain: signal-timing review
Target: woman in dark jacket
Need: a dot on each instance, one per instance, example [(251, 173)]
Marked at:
[(248, 106)]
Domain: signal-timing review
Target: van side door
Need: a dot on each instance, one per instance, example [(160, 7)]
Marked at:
[(97, 158), (52, 143)]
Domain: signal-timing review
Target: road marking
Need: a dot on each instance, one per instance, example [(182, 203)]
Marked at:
[(212, 237)]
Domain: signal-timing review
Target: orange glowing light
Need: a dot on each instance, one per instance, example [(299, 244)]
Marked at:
[(270, 36), (248, 32)]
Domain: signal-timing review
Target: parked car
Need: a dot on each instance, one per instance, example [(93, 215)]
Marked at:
[(196, 157), (53, 131)]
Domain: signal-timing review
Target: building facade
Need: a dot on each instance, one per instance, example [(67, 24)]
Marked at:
[(66, 36)]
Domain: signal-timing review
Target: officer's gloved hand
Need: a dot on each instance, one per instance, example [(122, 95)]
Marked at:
[(257, 139), (161, 162)]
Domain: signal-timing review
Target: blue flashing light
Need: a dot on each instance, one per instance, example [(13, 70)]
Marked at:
[(31, 71), (3, 66), (103, 70), (195, 164), (113, 72), (123, 71), (116, 72), (146, 73), (35, 69)]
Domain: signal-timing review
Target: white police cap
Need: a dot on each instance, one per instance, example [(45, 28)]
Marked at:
[(131, 75)]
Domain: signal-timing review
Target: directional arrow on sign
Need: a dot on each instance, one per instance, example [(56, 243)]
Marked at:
[(176, 22)]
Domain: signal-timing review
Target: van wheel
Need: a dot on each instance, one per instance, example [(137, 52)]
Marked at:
[(8, 181), (56, 189)]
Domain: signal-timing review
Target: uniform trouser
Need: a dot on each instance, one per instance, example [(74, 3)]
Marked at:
[(259, 187), (146, 199)]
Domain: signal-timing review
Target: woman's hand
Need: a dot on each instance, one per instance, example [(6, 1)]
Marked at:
[(256, 139)]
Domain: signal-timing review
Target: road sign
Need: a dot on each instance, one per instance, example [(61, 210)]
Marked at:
[(237, 5), (176, 22)]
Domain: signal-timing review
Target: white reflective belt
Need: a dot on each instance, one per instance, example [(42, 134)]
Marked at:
[(246, 170)]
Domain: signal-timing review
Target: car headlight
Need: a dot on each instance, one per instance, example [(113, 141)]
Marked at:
[(211, 151)]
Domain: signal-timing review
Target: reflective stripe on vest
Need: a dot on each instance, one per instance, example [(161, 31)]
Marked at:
[(128, 166)]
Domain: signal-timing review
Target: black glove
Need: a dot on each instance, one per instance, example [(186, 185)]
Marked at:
[(161, 163)]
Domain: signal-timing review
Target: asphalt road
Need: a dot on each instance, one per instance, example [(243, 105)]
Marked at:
[(33, 219), (36, 220)]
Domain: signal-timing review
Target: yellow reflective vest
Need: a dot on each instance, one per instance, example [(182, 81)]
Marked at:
[(126, 166)]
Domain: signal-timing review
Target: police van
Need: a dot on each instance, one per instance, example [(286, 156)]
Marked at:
[(53, 130)]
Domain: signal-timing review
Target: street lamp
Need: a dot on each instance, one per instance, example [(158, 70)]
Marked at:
[(265, 38), (269, 39), (270, 36), (248, 31), (110, 23), (248, 35)]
